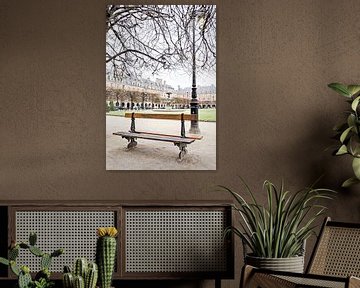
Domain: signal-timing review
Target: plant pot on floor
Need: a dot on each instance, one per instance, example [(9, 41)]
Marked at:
[(290, 264)]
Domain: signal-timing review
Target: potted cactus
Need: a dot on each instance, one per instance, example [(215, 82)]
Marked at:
[(106, 254), (42, 278), (84, 275)]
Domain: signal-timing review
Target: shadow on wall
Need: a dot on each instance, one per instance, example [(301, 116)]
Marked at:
[(306, 153), (335, 170)]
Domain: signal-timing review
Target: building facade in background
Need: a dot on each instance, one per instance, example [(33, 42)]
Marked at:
[(140, 93)]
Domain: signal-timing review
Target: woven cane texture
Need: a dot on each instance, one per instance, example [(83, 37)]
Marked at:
[(338, 252), (305, 282), (261, 280), (175, 241), (75, 231)]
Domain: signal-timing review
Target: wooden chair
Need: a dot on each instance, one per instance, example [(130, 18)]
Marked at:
[(335, 262)]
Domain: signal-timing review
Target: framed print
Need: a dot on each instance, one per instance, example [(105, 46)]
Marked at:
[(161, 87)]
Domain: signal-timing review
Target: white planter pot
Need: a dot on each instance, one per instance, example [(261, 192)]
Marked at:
[(291, 264)]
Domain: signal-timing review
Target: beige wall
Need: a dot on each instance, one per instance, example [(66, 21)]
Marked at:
[(275, 113)]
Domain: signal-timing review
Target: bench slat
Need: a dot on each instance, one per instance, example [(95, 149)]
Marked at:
[(158, 137), (191, 136), (169, 116)]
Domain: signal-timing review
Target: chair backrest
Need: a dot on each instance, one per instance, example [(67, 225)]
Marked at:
[(337, 251)]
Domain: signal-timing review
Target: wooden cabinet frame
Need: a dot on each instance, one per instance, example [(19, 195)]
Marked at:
[(120, 209)]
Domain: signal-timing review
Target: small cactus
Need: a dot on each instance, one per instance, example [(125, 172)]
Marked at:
[(68, 280), (79, 282), (80, 267), (89, 272), (44, 273), (24, 278), (106, 254), (36, 251), (91, 276), (45, 261), (25, 269), (13, 253)]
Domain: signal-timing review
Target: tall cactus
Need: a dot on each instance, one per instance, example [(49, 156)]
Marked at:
[(106, 254)]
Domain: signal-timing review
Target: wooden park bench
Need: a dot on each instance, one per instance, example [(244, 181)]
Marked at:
[(179, 140)]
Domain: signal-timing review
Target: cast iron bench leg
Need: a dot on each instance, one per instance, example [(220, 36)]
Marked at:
[(132, 142), (183, 151)]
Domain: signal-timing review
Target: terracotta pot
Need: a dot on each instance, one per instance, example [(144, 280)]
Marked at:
[(291, 264)]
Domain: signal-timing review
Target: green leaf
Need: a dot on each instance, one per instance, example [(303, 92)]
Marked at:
[(345, 134), (354, 145), (353, 89), (340, 88), (355, 103), (351, 120), (45, 261), (36, 251), (349, 182), (14, 268), (279, 228), (342, 150), (356, 167), (13, 253), (4, 261)]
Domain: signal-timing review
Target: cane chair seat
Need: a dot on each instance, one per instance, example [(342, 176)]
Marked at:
[(335, 262)]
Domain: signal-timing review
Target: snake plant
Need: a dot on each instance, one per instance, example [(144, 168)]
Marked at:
[(279, 228), (348, 133)]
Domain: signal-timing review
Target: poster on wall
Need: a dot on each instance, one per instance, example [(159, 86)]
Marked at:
[(161, 87)]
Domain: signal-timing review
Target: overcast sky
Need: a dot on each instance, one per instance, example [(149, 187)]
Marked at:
[(180, 77)]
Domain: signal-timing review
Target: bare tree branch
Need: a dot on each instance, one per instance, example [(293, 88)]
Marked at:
[(158, 37)]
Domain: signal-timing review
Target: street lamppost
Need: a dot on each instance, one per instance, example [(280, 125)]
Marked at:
[(194, 103), (168, 102), (142, 100), (117, 104)]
